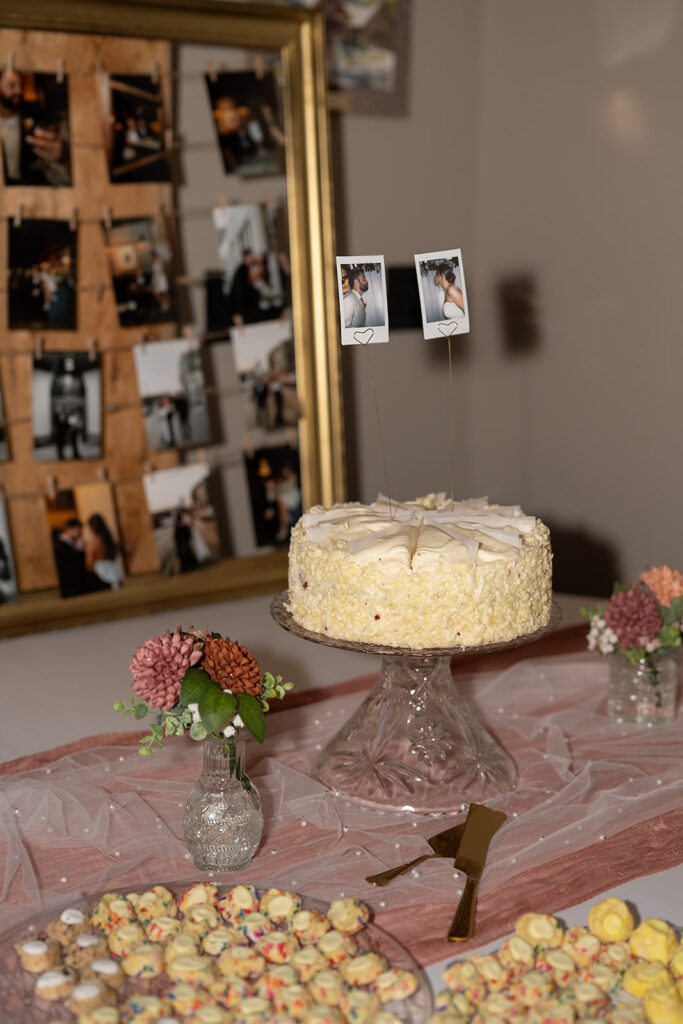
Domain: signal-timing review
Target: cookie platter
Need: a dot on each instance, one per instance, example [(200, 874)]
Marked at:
[(276, 934)]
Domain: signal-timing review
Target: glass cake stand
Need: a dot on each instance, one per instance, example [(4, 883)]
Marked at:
[(415, 743)]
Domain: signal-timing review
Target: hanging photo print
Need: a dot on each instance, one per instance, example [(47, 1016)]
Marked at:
[(134, 129), (42, 276), (34, 129), (252, 250), (8, 582), (4, 443), (171, 385), (443, 298), (264, 361), (141, 264), (186, 533), (85, 539), (66, 395), (362, 288), (245, 113), (275, 492)]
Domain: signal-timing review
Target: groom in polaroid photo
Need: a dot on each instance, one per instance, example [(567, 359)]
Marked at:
[(354, 303)]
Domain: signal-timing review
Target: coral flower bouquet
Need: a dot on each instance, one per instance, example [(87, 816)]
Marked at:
[(199, 682)]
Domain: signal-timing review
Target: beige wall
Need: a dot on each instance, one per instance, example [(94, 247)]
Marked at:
[(544, 139)]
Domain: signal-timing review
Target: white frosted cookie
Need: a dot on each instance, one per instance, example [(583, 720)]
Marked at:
[(101, 1015), (517, 954), (145, 960), (84, 949), (309, 926), (112, 911), (279, 905), (463, 976), (359, 1005), (200, 919), (541, 931), (121, 939), (495, 974), (276, 976), (241, 962), (202, 892), (294, 1000), (277, 947), (212, 1014), (581, 945), (230, 993), (155, 902), (57, 983), (348, 915), (220, 938), (254, 925), (336, 946), (162, 929), (105, 970), (394, 984), (180, 945), (362, 969), (195, 970), (532, 987), (88, 995), (238, 901), (308, 961), (558, 964), (39, 955), (144, 1009), (70, 923), (321, 1014), (186, 999), (326, 987)]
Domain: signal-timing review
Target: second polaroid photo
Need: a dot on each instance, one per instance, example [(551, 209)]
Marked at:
[(443, 297), (362, 289)]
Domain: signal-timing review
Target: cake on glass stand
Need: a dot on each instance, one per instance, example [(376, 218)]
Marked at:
[(415, 743)]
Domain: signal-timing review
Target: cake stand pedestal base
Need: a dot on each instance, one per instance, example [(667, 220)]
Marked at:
[(415, 744)]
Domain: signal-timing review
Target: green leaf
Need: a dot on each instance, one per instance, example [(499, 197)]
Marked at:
[(250, 711), (677, 607), (216, 707), (619, 588), (141, 710), (146, 751), (194, 683)]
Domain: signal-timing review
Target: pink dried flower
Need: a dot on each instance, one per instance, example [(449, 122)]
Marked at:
[(664, 583), (159, 665), (633, 616)]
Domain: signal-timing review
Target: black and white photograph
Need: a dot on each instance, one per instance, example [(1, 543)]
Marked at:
[(186, 530), (362, 288), (254, 262), (4, 442), (66, 394), (42, 275), (85, 539), (173, 391), (443, 298), (141, 262), (245, 111), (134, 129), (8, 579), (264, 361), (34, 128), (275, 492)]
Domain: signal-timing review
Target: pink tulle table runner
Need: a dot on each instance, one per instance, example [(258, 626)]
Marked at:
[(597, 804)]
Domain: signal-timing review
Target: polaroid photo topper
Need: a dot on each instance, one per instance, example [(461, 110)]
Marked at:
[(362, 289), (443, 297)]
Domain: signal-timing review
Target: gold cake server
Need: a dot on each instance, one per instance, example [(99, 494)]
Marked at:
[(444, 844), (480, 826)]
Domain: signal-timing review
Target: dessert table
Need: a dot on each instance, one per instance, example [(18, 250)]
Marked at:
[(597, 805)]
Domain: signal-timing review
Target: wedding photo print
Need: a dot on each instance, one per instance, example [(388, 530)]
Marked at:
[(8, 583), (186, 532), (85, 539), (66, 395), (172, 387), (4, 443), (443, 298), (263, 355), (134, 129), (42, 276), (361, 283), (252, 253), (274, 491), (141, 263), (34, 128), (244, 106)]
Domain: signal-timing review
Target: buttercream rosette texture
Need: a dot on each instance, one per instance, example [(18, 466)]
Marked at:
[(159, 665)]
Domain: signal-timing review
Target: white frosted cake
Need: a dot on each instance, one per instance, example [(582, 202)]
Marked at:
[(420, 574)]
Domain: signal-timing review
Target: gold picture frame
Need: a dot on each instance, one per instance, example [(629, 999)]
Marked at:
[(296, 39)]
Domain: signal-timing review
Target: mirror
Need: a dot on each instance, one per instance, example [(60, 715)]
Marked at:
[(169, 374)]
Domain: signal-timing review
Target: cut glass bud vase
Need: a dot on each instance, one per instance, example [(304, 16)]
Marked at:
[(223, 822), (415, 743), (642, 693)]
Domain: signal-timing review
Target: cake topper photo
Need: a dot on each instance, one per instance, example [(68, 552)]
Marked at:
[(362, 287), (443, 298)]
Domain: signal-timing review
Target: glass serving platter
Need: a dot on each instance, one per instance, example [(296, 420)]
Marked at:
[(20, 1005)]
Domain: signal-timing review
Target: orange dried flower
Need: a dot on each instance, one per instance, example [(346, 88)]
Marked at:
[(664, 583)]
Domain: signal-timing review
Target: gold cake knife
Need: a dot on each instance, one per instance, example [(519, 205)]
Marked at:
[(480, 826)]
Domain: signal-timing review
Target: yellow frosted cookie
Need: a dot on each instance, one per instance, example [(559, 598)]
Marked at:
[(581, 945), (241, 962), (643, 976), (277, 947), (453, 1003), (663, 1006), (362, 969), (277, 976), (326, 987), (500, 1009), (38, 955), (463, 976), (336, 947), (293, 1000), (146, 960), (309, 926), (653, 940), (194, 970), (558, 964), (122, 938), (395, 983), (676, 962), (156, 902), (610, 920), (540, 930), (214, 942), (202, 892), (348, 915), (359, 1006)]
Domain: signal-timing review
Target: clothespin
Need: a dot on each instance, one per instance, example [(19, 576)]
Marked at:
[(50, 487), (259, 66), (38, 346), (9, 62), (92, 349), (60, 70), (155, 72), (211, 71), (106, 217), (73, 219), (18, 213)]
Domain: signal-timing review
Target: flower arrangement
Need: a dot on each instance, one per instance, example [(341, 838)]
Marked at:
[(199, 681), (643, 621)]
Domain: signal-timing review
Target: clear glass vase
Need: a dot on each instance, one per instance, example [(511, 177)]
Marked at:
[(223, 820), (642, 693)]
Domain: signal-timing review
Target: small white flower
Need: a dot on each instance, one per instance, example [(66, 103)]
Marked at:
[(229, 731), (653, 645), (194, 710), (237, 722)]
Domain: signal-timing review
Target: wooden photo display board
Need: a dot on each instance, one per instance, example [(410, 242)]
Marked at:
[(32, 481)]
